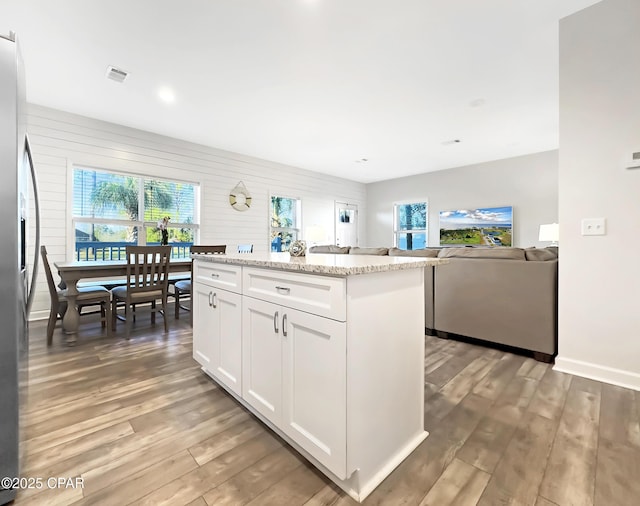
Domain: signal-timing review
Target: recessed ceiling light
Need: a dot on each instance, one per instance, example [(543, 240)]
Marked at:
[(452, 141), (166, 95)]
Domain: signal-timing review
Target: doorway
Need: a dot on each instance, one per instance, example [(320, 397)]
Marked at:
[(346, 224)]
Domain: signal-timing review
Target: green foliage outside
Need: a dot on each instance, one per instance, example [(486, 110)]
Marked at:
[(122, 197), (489, 236), (283, 212), (412, 217)]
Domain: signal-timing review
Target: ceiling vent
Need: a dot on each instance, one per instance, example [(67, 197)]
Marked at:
[(116, 74), (635, 161)]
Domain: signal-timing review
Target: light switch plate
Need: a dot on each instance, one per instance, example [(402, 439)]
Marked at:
[(594, 226)]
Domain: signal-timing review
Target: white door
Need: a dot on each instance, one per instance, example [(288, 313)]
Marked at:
[(203, 323), (315, 386), (226, 362), (262, 357), (346, 224)]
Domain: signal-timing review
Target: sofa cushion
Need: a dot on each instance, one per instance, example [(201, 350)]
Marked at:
[(397, 252), (369, 251), (330, 248), (540, 254), (497, 253)]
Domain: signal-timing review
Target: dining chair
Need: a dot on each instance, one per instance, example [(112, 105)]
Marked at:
[(183, 287), (245, 248), (147, 281), (87, 296)]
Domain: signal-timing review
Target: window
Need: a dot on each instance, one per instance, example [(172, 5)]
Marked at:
[(111, 211), (285, 222), (410, 225)]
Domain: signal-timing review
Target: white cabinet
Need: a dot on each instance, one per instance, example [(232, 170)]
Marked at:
[(333, 364), (314, 407), (262, 358), (202, 323), (217, 331), (294, 374)]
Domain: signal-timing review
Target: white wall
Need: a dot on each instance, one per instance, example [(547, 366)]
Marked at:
[(61, 140), (599, 298), (528, 183)]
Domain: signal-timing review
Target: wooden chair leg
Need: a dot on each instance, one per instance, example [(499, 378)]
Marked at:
[(107, 310), (114, 313), (164, 314), (51, 324), (153, 311), (127, 320), (103, 315), (176, 293)]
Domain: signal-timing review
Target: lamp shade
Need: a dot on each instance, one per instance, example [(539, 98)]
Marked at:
[(550, 232)]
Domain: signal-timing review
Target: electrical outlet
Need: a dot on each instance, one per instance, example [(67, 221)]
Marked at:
[(593, 226)]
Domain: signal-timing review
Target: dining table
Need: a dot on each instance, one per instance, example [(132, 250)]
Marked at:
[(76, 270)]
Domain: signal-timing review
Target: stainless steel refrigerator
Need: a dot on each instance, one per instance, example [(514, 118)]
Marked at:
[(16, 165)]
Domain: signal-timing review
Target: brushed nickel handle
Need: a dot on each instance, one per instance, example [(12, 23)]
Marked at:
[(284, 325), (214, 303), (283, 289), (210, 299), (214, 275), (275, 322)]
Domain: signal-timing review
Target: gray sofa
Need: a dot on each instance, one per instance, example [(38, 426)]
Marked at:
[(506, 296)]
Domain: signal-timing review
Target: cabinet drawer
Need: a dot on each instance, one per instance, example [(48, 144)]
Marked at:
[(225, 276), (320, 295)]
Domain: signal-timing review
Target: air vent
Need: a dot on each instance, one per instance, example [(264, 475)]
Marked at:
[(116, 74), (635, 161)]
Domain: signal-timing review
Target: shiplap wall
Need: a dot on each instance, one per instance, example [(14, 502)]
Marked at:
[(61, 140)]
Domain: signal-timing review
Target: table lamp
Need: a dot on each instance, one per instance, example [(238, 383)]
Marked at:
[(549, 232)]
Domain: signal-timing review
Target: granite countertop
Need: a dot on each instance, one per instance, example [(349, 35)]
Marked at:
[(324, 264)]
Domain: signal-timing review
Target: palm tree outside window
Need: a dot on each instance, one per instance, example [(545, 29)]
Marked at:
[(112, 210), (285, 222), (410, 225)]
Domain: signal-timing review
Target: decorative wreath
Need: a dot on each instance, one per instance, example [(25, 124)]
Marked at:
[(240, 198)]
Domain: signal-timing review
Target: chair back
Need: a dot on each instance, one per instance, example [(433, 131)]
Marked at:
[(147, 268), (209, 250), (245, 248), (53, 292)]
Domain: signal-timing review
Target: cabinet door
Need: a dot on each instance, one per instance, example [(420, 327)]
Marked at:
[(315, 387), (226, 359), (262, 357), (203, 324)]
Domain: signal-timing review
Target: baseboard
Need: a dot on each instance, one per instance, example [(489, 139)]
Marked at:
[(597, 372), (38, 315)]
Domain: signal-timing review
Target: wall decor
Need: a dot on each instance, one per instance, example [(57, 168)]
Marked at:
[(239, 197), (486, 226), (298, 248)]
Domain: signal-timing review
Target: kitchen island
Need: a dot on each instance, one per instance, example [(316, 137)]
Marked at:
[(327, 350)]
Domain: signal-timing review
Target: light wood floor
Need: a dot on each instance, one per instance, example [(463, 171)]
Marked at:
[(140, 423)]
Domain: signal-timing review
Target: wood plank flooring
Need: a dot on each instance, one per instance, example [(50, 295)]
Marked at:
[(140, 424)]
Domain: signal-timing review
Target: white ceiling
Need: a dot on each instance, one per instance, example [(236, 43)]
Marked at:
[(316, 84)]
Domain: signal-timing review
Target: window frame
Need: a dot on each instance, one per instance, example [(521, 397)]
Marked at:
[(297, 230), (141, 225), (397, 232)]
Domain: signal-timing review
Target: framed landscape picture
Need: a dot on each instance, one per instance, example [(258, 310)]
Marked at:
[(487, 226)]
